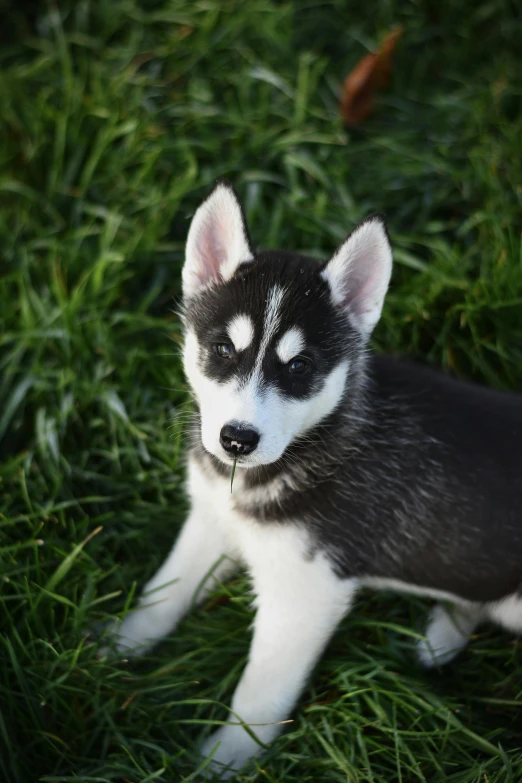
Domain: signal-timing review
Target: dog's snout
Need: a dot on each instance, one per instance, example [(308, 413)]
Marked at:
[(238, 439)]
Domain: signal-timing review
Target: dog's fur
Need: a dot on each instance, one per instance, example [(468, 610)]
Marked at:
[(369, 471)]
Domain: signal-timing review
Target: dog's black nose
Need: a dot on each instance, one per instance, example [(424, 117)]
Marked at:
[(238, 440)]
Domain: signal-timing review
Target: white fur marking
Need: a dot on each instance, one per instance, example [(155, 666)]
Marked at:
[(271, 323), (508, 612), (241, 331), (290, 344)]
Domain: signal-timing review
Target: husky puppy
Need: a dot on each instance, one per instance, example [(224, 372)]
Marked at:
[(352, 470)]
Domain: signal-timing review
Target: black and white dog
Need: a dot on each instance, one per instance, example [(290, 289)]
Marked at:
[(352, 470)]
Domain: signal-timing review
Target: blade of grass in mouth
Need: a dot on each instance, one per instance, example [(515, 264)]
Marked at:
[(233, 472)]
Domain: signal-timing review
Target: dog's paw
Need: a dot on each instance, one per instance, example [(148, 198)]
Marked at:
[(135, 635), (447, 634), (430, 657), (230, 747)]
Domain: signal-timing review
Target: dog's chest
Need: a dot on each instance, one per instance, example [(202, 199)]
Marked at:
[(244, 534)]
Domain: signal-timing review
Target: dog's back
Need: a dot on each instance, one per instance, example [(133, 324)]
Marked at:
[(456, 505)]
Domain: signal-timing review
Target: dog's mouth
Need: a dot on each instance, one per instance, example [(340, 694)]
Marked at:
[(238, 453), (227, 465), (241, 460)]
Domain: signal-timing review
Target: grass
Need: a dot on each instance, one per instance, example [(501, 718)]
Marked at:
[(116, 119)]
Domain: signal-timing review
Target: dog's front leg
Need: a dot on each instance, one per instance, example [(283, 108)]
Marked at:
[(201, 556), (300, 602)]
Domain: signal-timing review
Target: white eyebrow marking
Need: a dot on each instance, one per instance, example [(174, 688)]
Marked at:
[(241, 331), (272, 318), (290, 344), (271, 323)]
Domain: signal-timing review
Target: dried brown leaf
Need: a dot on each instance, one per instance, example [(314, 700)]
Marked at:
[(368, 76)]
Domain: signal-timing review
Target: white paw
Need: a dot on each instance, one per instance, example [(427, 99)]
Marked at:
[(447, 634), (230, 747), (430, 656), (137, 633)]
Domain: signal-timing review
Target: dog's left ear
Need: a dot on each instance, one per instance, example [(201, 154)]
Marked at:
[(217, 241), (359, 273)]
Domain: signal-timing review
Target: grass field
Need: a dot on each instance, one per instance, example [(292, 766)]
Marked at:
[(116, 118)]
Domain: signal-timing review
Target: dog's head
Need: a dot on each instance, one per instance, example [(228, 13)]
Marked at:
[(271, 336)]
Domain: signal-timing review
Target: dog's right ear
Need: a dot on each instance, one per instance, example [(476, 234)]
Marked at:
[(217, 241)]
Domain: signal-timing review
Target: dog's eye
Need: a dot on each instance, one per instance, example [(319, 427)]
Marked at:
[(297, 366), (225, 350)]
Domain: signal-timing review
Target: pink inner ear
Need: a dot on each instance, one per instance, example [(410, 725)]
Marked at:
[(360, 290), (217, 242), (211, 249), (359, 273)]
